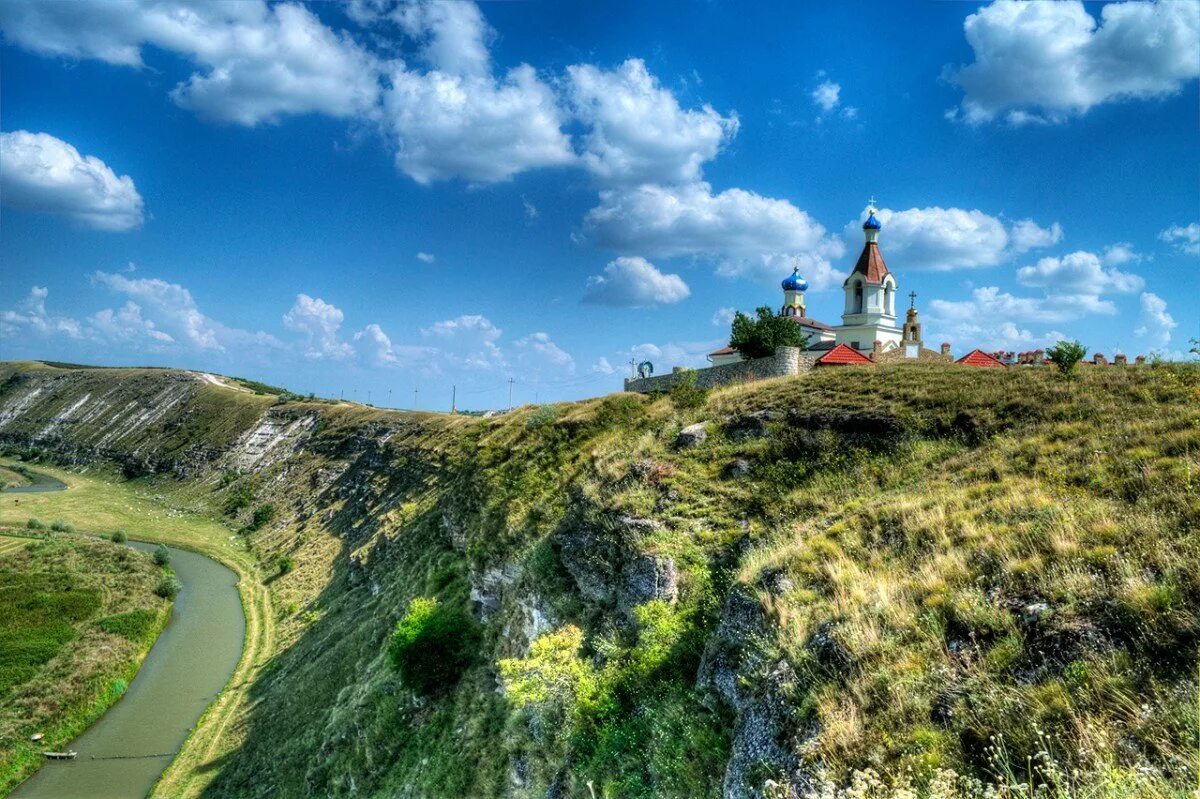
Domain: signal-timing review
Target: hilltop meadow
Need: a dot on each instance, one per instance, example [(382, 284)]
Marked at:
[(883, 581)]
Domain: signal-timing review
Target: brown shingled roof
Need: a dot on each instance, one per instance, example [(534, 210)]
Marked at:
[(870, 264)]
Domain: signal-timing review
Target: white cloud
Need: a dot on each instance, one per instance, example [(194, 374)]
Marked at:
[(30, 315), (468, 340), (953, 238), (1185, 238), (1078, 273), (773, 267), (41, 173), (1029, 235), (127, 324), (531, 211), (723, 316), (259, 62), (603, 367), (733, 227), (827, 95), (537, 352), (638, 132), (1046, 61), (426, 257), (1122, 253), (1156, 323), (634, 283), (320, 322), (455, 35), (990, 303), (676, 353), (379, 350), (175, 311), (473, 127)]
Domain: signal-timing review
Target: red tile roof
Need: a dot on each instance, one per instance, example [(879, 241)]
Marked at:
[(842, 355), (981, 359), (722, 351), (870, 264)]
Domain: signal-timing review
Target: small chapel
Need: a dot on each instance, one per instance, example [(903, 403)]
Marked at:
[(869, 315)]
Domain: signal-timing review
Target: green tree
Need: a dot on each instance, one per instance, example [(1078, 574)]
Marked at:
[(759, 337), (119, 537), (432, 645), (162, 555), (1195, 346), (1066, 355), (685, 394)]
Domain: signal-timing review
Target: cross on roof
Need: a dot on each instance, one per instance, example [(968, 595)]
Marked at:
[(871, 202), (912, 295)]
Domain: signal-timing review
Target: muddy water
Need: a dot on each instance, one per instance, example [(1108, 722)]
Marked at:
[(122, 754)]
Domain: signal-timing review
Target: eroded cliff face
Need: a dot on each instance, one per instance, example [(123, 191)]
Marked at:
[(728, 578)]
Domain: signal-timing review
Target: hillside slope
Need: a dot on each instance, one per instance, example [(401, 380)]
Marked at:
[(898, 568)]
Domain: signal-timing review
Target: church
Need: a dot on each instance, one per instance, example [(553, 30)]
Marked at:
[(868, 317)]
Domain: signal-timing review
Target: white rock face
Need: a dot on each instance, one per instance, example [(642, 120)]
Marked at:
[(273, 438)]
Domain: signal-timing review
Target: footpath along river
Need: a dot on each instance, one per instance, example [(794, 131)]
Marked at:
[(122, 754)]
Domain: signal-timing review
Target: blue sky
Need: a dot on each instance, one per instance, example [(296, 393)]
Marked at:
[(377, 197)]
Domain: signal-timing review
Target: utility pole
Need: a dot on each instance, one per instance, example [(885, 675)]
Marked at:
[(510, 384), (415, 390), (453, 399), (389, 398), (368, 396)]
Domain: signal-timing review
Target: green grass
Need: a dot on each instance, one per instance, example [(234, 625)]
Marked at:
[(76, 618)]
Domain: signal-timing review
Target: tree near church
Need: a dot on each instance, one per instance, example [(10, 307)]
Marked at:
[(761, 336), (1066, 355), (1195, 350)]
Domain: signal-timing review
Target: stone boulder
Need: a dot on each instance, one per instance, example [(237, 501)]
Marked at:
[(691, 436), (605, 558)]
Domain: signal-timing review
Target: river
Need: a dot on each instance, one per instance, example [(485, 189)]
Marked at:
[(122, 754)]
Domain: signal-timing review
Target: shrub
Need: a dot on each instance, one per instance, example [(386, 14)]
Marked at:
[(162, 555), (35, 524), (168, 587), (262, 515), (286, 564), (59, 526), (1066, 355), (119, 537), (759, 337), (432, 645), (240, 498), (619, 410), (541, 417), (685, 394)]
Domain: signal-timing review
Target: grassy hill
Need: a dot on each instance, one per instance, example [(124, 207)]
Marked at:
[(77, 616), (933, 574)]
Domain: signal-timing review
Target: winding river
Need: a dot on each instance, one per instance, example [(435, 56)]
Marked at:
[(122, 754)]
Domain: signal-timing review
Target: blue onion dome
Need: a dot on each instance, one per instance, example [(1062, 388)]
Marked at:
[(872, 223), (794, 282)]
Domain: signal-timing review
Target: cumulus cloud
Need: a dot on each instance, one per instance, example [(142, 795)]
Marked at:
[(736, 228), (1184, 238), (954, 238), (127, 325), (638, 131), (426, 257), (1155, 323), (468, 340), (259, 62), (378, 349), (1121, 253), (41, 173), (634, 283), (1046, 61), (827, 95), (320, 323), (602, 366), (676, 353), (1028, 235), (175, 311), (723, 316), (1078, 273), (31, 315), (537, 353)]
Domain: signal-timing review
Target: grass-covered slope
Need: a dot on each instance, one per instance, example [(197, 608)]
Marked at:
[(905, 569), (77, 617)]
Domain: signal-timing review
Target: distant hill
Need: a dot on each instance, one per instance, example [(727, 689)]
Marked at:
[(897, 568)]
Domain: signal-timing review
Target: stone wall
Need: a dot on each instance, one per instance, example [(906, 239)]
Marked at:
[(786, 361), (925, 356)]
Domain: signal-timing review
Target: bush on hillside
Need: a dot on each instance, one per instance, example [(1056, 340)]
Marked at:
[(286, 564), (35, 524), (685, 394), (59, 526), (759, 337), (1066, 355), (263, 514), (241, 497), (433, 645), (162, 555), (541, 417), (119, 537), (168, 587)]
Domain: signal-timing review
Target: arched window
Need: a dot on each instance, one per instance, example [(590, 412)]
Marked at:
[(889, 299), (858, 297)]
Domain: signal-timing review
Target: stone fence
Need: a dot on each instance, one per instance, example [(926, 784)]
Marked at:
[(786, 361)]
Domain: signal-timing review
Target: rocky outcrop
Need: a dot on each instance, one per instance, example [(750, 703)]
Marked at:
[(604, 556), (691, 436), (742, 668)]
